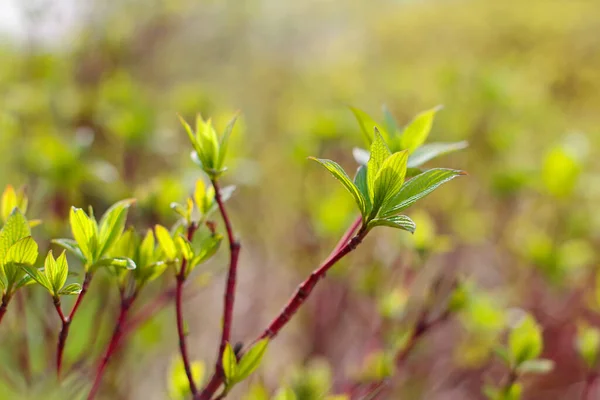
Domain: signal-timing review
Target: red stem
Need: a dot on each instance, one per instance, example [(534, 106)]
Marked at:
[(299, 297), (308, 285), (113, 344), (66, 322), (181, 276), (229, 298), (4, 306)]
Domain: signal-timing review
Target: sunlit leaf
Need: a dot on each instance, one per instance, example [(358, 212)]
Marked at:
[(415, 134), (419, 187)]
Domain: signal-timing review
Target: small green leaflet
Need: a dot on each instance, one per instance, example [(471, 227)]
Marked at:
[(235, 371), (251, 360), (341, 176), (229, 363), (419, 187), (397, 221), (415, 134)]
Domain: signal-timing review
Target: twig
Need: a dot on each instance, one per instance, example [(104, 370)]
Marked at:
[(4, 305), (113, 344), (229, 298), (299, 297), (66, 322)]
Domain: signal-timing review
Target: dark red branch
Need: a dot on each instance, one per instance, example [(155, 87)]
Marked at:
[(302, 293), (66, 322), (181, 276), (113, 344), (229, 298), (4, 306), (306, 287)]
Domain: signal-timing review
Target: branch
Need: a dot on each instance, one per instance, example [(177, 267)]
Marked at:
[(179, 315), (113, 344), (66, 322), (299, 297), (229, 298), (4, 305)]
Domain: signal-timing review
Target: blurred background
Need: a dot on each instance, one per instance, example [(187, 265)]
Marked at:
[(89, 95)]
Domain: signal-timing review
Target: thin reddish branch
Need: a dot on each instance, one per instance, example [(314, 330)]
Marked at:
[(347, 236), (113, 344), (306, 287), (4, 306), (295, 302), (63, 320), (229, 298), (181, 276), (66, 322)]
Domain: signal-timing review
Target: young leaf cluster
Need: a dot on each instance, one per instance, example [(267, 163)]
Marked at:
[(17, 250), (379, 188), (175, 246), (144, 253), (202, 204), (210, 148), (411, 138), (93, 241), (236, 371), (54, 276)]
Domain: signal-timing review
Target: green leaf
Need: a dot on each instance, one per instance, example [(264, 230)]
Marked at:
[(341, 176), (39, 277), (419, 187), (525, 341), (84, 231), (70, 290), (225, 142), (204, 248), (379, 152), (118, 262), (390, 122), (112, 224), (15, 229), (367, 125), (184, 247), (146, 250), (71, 246), (537, 366), (229, 362), (166, 242), (389, 179), (24, 281), (23, 252), (251, 360), (430, 151), (62, 270), (416, 132), (397, 221), (9, 202), (360, 181), (51, 272)]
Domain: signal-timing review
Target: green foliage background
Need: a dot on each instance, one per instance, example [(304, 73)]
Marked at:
[(92, 119)]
